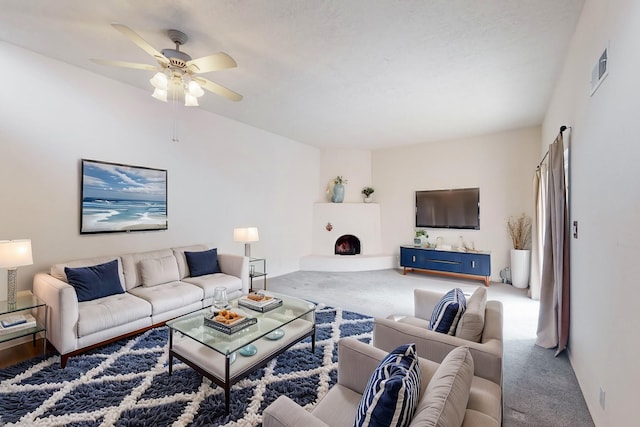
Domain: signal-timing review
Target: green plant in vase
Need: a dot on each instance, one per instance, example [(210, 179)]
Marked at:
[(367, 192), (421, 235)]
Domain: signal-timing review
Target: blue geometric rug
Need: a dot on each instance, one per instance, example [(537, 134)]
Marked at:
[(127, 383)]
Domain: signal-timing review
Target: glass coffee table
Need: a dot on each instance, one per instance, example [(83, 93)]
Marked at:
[(227, 358)]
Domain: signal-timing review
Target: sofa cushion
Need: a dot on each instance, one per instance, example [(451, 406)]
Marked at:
[(204, 262), (392, 392), (471, 323), (445, 400), (109, 312), (131, 265), (95, 281), (168, 296), (447, 312), (208, 283), (156, 271)]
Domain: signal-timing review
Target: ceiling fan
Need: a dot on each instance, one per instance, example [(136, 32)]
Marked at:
[(176, 73)]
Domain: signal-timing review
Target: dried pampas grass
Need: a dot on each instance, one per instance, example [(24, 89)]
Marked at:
[(520, 231)]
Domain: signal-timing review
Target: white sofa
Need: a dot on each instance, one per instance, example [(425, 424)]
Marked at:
[(75, 327)]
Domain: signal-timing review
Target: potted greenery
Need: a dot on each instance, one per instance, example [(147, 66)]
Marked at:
[(421, 235), (519, 229), (367, 192), (338, 189)]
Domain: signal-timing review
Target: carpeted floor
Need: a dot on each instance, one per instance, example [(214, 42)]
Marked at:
[(539, 389), (127, 383)]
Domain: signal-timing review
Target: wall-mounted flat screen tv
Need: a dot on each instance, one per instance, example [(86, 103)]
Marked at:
[(122, 198), (454, 208)]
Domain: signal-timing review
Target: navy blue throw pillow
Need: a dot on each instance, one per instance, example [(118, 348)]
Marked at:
[(392, 392), (201, 263), (96, 281), (448, 312)]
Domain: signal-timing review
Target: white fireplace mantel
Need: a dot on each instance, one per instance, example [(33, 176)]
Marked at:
[(359, 219)]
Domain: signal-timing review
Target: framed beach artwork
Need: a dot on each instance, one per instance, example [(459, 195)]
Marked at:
[(122, 198)]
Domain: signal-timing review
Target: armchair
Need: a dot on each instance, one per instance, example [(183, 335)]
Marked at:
[(487, 351), (466, 400)]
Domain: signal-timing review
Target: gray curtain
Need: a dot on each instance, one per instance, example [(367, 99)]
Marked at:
[(553, 319), (538, 230)]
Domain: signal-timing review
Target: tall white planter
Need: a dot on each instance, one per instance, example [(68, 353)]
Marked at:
[(520, 267)]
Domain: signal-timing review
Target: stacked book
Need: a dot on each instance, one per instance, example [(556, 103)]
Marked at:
[(16, 322), (261, 303)]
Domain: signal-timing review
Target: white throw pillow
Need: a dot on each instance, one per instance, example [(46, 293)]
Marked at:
[(156, 271), (471, 324), (445, 400)]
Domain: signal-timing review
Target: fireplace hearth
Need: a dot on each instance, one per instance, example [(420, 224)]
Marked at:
[(347, 244)]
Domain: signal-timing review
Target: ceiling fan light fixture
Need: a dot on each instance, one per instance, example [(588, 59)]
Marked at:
[(173, 75), (190, 100), (159, 81), (195, 89), (160, 94)]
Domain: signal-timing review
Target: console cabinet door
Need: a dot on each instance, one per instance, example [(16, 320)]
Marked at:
[(409, 257), (478, 264)]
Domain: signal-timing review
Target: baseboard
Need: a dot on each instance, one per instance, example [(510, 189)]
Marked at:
[(344, 263)]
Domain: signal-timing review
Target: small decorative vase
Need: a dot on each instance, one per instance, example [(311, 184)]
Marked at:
[(367, 199), (338, 193), (417, 242)]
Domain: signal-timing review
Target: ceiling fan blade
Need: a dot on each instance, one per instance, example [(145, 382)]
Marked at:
[(215, 62), (142, 44), (125, 64), (218, 89)]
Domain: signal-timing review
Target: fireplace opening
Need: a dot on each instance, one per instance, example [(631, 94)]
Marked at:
[(347, 244)]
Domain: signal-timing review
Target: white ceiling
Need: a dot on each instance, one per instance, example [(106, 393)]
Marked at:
[(362, 74)]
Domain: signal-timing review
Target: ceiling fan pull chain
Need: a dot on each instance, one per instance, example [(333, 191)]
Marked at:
[(175, 116)]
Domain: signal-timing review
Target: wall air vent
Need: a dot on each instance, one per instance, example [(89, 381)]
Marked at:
[(600, 72)]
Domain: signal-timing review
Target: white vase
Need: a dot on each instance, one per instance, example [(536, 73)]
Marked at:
[(367, 199), (520, 267)]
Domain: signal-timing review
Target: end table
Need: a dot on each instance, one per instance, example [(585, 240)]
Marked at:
[(26, 301), (257, 268)]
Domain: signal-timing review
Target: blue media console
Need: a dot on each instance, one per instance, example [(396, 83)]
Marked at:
[(467, 265)]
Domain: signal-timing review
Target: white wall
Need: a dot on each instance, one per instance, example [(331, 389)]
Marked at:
[(352, 165), (221, 175), (605, 200), (501, 164)]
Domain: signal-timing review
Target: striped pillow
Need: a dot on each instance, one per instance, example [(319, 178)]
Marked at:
[(392, 393), (448, 311)]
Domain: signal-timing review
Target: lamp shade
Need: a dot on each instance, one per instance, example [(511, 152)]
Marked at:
[(160, 81), (249, 234), (190, 100), (160, 94), (15, 253)]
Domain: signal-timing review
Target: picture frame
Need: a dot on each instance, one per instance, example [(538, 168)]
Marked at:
[(120, 198)]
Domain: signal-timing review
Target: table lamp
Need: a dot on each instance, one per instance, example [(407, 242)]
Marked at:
[(246, 235), (14, 254)]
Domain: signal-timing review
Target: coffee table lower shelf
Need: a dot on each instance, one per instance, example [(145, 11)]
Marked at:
[(219, 367)]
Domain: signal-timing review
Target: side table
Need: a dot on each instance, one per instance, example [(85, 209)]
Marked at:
[(257, 268), (26, 301)]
